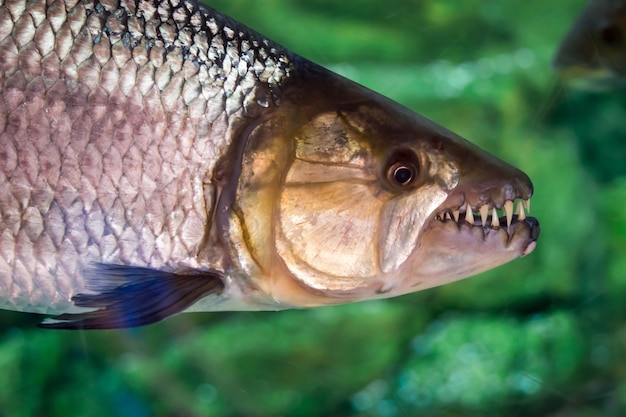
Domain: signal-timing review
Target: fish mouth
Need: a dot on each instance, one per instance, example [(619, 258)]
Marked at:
[(507, 217), (463, 239)]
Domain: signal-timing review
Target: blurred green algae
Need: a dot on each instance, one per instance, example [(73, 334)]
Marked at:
[(542, 336)]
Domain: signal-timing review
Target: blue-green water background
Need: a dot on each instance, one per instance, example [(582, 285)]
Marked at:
[(542, 336)]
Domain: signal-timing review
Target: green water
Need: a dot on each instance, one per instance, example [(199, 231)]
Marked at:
[(542, 336)]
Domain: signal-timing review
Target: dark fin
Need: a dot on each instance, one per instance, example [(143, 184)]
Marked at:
[(128, 296)]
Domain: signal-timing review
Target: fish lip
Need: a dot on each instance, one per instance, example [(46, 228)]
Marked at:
[(535, 228)]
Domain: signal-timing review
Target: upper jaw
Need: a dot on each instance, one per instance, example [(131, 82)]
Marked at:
[(490, 214)]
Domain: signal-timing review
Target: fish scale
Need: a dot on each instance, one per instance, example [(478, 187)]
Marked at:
[(106, 113)]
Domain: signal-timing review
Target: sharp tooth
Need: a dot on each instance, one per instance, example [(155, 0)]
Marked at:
[(508, 211), (520, 211), (455, 213), (527, 205), (495, 221), (484, 212), (447, 216), (469, 216)]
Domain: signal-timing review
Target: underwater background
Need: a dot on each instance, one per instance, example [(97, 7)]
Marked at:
[(541, 336)]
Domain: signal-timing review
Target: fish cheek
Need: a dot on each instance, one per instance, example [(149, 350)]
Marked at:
[(330, 208), (327, 233), (402, 221)]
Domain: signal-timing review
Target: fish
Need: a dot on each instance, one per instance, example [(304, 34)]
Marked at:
[(592, 55), (158, 157)]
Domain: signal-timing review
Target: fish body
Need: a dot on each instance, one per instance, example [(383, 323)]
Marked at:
[(592, 55), (158, 157)]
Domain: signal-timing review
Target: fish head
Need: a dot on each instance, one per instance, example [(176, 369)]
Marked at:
[(592, 55), (347, 196)]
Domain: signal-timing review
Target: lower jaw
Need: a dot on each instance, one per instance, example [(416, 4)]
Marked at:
[(517, 239)]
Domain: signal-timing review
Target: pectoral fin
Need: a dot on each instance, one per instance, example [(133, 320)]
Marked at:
[(127, 296)]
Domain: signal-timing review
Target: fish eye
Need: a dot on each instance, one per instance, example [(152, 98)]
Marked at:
[(402, 171), (403, 174), (611, 34)]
